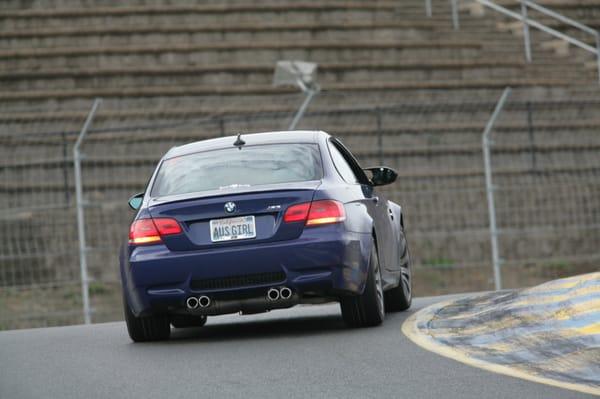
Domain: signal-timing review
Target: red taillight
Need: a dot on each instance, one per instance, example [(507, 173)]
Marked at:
[(296, 213), (167, 226), (324, 212), (149, 231), (143, 231), (316, 213)]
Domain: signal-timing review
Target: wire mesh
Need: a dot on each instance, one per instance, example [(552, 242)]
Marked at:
[(547, 186), (39, 274), (545, 168)]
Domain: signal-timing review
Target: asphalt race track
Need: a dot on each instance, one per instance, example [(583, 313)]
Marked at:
[(297, 353)]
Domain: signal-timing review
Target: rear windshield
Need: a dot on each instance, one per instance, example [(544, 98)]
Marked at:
[(233, 167)]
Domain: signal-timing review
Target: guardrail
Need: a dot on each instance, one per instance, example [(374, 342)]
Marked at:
[(528, 22)]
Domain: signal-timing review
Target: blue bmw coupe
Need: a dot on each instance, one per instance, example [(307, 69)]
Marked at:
[(257, 222)]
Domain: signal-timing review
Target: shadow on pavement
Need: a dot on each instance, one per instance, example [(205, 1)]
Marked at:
[(288, 326)]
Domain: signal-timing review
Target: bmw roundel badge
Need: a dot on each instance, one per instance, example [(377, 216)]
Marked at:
[(230, 207)]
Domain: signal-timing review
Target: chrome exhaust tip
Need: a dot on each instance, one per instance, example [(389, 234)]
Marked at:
[(192, 302), (204, 301), (273, 294), (285, 293)]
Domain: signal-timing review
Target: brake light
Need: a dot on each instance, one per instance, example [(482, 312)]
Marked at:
[(297, 213), (316, 213), (150, 231), (325, 212), (167, 226)]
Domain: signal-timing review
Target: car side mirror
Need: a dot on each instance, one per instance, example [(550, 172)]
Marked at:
[(136, 201), (381, 175)]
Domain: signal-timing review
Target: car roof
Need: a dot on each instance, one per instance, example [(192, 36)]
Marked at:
[(281, 137)]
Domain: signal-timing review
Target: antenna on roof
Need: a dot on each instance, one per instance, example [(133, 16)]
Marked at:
[(239, 142)]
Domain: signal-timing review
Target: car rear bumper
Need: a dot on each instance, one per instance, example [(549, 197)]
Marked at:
[(323, 262)]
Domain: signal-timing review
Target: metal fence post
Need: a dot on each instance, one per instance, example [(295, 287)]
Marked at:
[(65, 165), (428, 10), (379, 135), (455, 20), (598, 53), (531, 136), (526, 36), (77, 156), (310, 93), (489, 187)]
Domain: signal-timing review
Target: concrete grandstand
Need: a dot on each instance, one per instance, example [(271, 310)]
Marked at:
[(389, 74)]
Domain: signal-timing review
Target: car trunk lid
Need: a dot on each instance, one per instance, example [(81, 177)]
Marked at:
[(266, 205)]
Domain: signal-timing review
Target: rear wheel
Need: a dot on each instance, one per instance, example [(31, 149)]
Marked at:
[(147, 328), (366, 310), (400, 298)]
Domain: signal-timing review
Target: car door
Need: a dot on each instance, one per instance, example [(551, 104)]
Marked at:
[(377, 204)]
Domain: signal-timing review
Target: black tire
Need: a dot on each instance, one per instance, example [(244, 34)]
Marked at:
[(147, 328), (183, 321), (366, 310), (400, 298)]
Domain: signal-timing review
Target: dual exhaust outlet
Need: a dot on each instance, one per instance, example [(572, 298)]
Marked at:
[(200, 302), (283, 293)]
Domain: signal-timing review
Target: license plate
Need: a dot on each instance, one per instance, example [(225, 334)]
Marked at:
[(239, 228)]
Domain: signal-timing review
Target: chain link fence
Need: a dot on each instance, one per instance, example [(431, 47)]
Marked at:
[(39, 274), (547, 189), (545, 163)]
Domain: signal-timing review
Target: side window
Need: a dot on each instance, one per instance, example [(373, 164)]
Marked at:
[(342, 165)]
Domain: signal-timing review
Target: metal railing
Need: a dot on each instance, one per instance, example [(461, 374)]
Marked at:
[(528, 22)]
